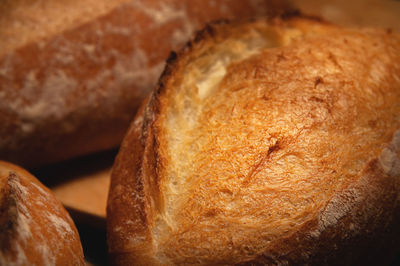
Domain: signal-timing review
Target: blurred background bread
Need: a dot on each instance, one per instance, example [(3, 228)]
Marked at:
[(35, 229)]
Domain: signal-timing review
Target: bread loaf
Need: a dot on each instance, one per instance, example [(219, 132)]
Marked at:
[(266, 142), (35, 229), (72, 73)]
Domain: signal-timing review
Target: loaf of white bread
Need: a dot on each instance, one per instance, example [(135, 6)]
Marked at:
[(72, 73), (270, 142), (35, 229)]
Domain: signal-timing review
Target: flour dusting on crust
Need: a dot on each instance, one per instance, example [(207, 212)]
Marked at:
[(62, 227), (338, 207), (389, 159), (163, 13)]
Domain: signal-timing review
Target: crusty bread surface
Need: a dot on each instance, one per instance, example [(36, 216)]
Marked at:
[(72, 73), (35, 229), (266, 142)]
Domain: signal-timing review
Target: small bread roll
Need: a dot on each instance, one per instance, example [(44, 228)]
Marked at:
[(35, 229), (266, 142)]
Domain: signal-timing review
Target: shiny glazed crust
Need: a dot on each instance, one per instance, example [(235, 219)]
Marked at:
[(266, 142), (69, 91), (35, 229)]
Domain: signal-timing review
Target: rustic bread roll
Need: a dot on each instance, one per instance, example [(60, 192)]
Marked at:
[(35, 229), (72, 73), (266, 142)]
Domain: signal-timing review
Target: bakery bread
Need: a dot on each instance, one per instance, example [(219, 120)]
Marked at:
[(72, 73), (266, 142), (35, 229)]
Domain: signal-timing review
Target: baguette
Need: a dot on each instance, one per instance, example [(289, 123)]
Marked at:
[(35, 229), (72, 73), (266, 142)]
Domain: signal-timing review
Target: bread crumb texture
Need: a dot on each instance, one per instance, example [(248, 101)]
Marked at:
[(263, 128)]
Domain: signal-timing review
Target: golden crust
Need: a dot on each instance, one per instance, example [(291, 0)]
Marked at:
[(265, 142), (35, 229)]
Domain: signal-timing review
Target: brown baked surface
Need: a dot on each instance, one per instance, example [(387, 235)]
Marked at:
[(266, 142), (35, 229)]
